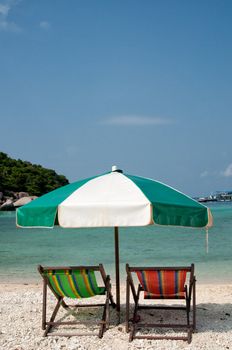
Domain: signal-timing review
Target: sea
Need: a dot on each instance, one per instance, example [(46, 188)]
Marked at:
[(22, 250)]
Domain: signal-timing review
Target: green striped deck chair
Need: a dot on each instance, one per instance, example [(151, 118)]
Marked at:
[(75, 282), (161, 283)]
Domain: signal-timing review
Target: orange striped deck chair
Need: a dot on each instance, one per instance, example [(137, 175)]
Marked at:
[(75, 282), (161, 283)]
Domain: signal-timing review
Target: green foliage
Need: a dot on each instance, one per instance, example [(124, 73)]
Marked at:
[(22, 176)]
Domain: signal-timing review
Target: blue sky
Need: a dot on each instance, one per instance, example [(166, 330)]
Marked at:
[(145, 85)]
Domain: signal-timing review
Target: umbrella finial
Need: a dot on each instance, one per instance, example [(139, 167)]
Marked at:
[(115, 169)]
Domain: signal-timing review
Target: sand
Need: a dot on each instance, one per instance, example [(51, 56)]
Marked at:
[(20, 323)]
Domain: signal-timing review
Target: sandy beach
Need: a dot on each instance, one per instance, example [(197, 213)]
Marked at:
[(20, 323)]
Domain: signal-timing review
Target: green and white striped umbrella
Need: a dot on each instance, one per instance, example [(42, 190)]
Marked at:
[(114, 199)]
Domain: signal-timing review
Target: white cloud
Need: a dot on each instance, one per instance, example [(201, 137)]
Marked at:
[(5, 24), (204, 174), (4, 9), (135, 120), (45, 25), (228, 171), (225, 173)]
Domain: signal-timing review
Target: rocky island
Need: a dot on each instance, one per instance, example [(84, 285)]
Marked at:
[(22, 182)]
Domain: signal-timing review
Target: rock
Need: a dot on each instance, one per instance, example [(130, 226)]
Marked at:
[(23, 201), (23, 194), (7, 205), (9, 201), (1, 196), (12, 203)]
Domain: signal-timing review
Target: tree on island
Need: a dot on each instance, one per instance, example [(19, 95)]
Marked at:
[(23, 176)]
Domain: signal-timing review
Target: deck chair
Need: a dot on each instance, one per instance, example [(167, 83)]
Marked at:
[(76, 282), (161, 283)]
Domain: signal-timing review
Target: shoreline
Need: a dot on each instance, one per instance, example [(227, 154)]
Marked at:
[(20, 322), (8, 284), (36, 280)]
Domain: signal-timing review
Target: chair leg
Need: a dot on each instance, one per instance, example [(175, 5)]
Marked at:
[(135, 318), (127, 305), (103, 323), (190, 327), (189, 336), (188, 311), (194, 306), (49, 326), (136, 305), (132, 332), (107, 310), (44, 304)]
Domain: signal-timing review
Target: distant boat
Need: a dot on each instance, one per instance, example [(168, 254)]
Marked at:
[(206, 199)]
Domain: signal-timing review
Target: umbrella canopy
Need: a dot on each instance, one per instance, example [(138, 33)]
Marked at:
[(114, 199), (111, 200)]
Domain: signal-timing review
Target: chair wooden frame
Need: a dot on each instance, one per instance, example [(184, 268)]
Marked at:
[(190, 295), (109, 301)]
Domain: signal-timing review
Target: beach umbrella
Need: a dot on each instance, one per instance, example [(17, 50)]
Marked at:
[(116, 200)]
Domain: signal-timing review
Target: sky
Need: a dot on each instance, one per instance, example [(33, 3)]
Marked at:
[(142, 84)]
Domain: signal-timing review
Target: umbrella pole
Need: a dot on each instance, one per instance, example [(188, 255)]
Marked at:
[(117, 273)]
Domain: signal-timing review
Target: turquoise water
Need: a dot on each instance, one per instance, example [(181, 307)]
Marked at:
[(21, 250)]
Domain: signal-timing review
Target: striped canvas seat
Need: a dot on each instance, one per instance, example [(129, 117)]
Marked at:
[(74, 283), (163, 284)]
